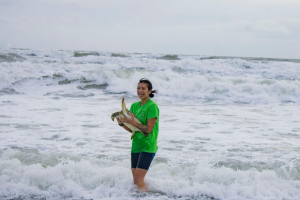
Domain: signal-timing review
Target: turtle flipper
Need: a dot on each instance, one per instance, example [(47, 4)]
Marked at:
[(133, 132)]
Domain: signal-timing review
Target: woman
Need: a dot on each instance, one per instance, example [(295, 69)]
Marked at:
[(144, 143)]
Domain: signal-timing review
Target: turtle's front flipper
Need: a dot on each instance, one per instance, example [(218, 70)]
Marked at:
[(132, 134)]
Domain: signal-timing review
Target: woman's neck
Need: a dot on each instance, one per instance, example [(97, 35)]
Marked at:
[(143, 101)]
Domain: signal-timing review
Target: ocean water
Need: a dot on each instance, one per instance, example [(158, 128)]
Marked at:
[(229, 127)]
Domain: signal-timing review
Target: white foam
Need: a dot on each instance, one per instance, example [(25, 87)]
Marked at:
[(58, 141), (218, 79), (86, 179)]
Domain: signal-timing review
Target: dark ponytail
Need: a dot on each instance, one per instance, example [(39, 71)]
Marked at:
[(143, 80)]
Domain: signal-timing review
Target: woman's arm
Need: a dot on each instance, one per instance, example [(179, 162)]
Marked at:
[(124, 126), (144, 128)]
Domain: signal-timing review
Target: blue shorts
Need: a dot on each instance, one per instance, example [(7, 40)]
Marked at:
[(141, 160)]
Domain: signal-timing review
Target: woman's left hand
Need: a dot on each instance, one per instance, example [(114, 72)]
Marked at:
[(129, 120)]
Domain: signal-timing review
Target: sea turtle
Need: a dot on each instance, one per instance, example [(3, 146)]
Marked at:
[(127, 113)]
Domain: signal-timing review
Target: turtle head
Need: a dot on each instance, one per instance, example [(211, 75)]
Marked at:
[(115, 115)]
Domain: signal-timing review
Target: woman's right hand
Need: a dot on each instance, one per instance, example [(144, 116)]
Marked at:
[(120, 122)]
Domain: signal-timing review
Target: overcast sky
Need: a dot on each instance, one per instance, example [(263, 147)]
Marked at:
[(251, 28)]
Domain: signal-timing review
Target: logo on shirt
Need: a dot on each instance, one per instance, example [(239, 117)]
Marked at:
[(142, 114)]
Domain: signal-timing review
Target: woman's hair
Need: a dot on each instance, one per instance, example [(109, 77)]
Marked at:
[(143, 80)]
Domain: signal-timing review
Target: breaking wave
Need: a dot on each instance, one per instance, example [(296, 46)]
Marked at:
[(28, 173), (209, 79)]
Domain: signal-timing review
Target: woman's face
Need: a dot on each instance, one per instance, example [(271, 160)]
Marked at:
[(142, 91)]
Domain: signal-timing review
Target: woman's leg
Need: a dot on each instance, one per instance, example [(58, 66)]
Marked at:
[(138, 178), (133, 171), (134, 162), (140, 164)]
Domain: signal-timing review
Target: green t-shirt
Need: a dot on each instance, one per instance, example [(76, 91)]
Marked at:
[(140, 142)]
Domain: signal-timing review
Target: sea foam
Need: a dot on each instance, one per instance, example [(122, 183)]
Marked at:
[(231, 80)]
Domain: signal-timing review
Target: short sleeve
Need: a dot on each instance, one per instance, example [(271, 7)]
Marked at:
[(153, 112), (131, 108)]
